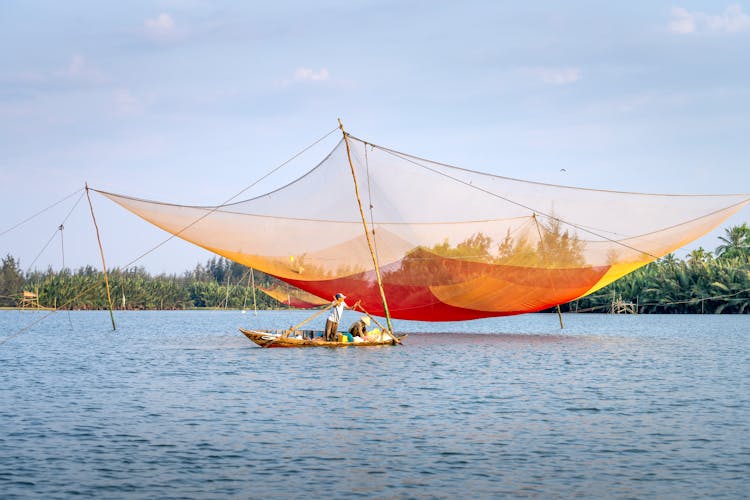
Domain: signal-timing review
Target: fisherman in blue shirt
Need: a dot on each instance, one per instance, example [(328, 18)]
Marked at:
[(332, 323)]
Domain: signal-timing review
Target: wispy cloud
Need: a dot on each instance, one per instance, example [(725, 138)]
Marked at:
[(126, 104), (556, 76), (307, 74), (80, 69), (77, 73), (162, 28), (732, 20)]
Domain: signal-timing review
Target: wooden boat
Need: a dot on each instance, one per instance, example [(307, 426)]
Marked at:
[(275, 338)]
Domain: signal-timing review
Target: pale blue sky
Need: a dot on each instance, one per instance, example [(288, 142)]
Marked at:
[(189, 101)]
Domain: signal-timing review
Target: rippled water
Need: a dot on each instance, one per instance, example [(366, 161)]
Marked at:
[(180, 404)]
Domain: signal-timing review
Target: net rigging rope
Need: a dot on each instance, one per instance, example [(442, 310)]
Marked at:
[(226, 202), (60, 230), (531, 209), (40, 212), (661, 304), (592, 231), (214, 209)]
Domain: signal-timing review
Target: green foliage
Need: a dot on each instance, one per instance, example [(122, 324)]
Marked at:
[(735, 243), (699, 284), (547, 245), (11, 281), (217, 284)]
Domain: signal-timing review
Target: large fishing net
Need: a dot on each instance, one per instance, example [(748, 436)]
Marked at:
[(452, 243)]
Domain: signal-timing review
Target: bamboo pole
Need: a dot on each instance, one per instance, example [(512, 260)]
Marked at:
[(367, 235), (104, 264), (296, 327)]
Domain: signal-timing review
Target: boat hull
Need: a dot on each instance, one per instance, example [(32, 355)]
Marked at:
[(273, 338)]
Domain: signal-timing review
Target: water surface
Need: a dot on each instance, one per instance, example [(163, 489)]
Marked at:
[(181, 405)]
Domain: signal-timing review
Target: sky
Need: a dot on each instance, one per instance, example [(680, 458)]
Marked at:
[(190, 101)]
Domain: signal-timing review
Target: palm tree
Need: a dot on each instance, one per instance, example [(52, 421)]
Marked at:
[(698, 256), (736, 242)]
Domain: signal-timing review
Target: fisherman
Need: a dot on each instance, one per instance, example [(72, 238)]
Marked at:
[(332, 323), (359, 327)]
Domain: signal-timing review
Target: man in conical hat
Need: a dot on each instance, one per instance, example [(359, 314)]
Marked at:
[(359, 327)]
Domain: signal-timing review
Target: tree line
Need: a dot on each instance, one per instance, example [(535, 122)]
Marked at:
[(704, 282), (219, 283)]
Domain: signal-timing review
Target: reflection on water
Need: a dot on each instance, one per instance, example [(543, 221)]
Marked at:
[(180, 404)]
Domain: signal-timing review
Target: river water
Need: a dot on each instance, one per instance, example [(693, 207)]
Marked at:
[(181, 405)]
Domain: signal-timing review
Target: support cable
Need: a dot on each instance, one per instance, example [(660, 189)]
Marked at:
[(88, 289), (40, 212), (62, 267), (255, 304), (43, 249), (672, 303), (226, 202), (369, 196), (546, 256), (409, 159), (531, 209), (60, 229)]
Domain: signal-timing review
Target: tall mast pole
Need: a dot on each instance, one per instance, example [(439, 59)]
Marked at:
[(367, 235), (104, 264)]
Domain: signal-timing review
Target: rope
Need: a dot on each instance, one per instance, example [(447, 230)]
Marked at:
[(531, 209), (385, 149), (62, 246), (226, 202), (27, 327), (255, 304), (40, 212), (226, 299), (43, 249), (546, 256), (60, 229), (369, 202), (676, 302), (409, 159), (62, 251), (244, 301), (695, 300)]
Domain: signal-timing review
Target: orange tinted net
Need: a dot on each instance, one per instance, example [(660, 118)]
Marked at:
[(294, 297), (452, 243)]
